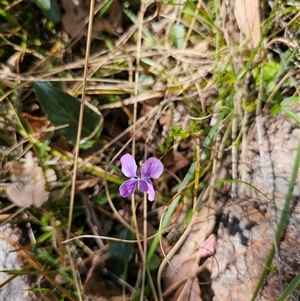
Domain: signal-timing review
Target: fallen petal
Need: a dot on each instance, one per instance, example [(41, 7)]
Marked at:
[(128, 166), (208, 248)]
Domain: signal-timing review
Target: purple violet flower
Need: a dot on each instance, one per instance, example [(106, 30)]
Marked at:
[(152, 168)]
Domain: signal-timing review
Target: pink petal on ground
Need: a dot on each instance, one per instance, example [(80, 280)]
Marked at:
[(208, 248)]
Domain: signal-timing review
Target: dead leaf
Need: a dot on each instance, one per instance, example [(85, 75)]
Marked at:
[(85, 183), (191, 293), (175, 161), (76, 16), (112, 23), (11, 68), (97, 285), (247, 15), (177, 272), (180, 274), (48, 296), (38, 125), (14, 61), (29, 183)]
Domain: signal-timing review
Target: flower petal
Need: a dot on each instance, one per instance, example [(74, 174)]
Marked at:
[(152, 168), (208, 248), (128, 166), (147, 186), (128, 188), (143, 186), (151, 192)]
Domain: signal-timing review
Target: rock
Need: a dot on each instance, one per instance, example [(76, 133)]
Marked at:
[(248, 224), (15, 289)]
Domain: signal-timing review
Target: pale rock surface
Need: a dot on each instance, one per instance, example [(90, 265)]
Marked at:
[(248, 224), (15, 289)]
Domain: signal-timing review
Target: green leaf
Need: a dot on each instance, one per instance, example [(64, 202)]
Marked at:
[(178, 35), (290, 289), (104, 8), (289, 101), (50, 9), (121, 252), (88, 144), (178, 131), (270, 70), (292, 115), (62, 109), (275, 110), (268, 76), (154, 263)]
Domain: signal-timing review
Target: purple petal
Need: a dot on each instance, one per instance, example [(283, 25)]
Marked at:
[(151, 192), (152, 168), (128, 188), (143, 186), (128, 166), (147, 186)]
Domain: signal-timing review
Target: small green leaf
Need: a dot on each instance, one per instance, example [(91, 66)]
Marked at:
[(178, 35), (88, 144), (178, 131), (62, 109), (154, 263), (292, 115), (271, 70), (268, 76), (289, 101), (50, 9), (275, 110)]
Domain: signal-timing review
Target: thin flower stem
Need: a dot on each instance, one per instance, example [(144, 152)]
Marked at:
[(197, 172)]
